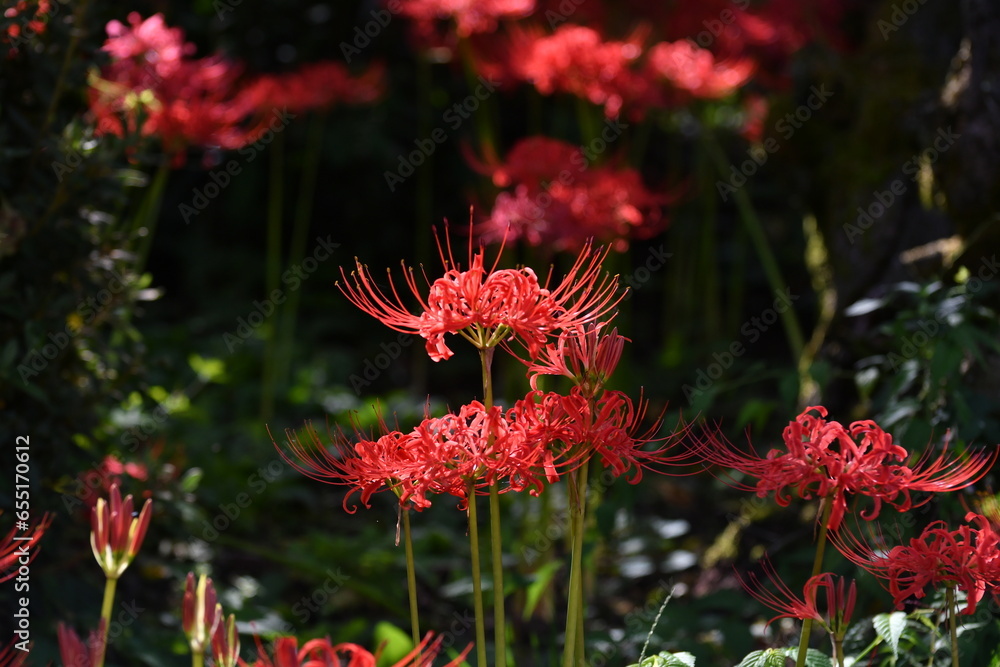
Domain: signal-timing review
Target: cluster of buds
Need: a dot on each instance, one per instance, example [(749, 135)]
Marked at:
[(205, 625), (117, 532)]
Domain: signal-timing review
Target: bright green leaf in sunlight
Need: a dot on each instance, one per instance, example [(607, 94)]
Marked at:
[(543, 577), (665, 659), (396, 643), (191, 479), (208, 370), (890, 628)]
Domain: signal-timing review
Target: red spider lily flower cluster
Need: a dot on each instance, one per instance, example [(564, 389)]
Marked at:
[(558, 201), (696, 72), (152, 87), (11, 551), (840, 598), (966, 558), (825, 460), (74, 651), (488, 306), (321, 653), (116, 534), (470, 16)]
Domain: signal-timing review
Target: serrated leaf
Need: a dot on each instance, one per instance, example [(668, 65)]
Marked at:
[(814, 658), (666, 659), (890, 628), (769, 658)]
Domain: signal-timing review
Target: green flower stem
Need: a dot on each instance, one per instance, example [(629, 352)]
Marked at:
[(272, 271), (800, 659), (149, 215), (197, 659), (106, 605), (496, 535), (477, 584), (952, 623), (759, 239), (573, 650), (411, 578), (297, 247)]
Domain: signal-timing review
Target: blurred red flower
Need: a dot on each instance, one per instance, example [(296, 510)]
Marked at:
[(318, 85), (470, 16), (74, 651), (696, 71), (321, 653), (840, 599), (560, 202)]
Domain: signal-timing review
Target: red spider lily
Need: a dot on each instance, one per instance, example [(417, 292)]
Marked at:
[(10, 656), (317, 85), (584, 355), (367, 465), (201, 614), (14, 548), (471, 16), (560, 202), (116, 534), (824, 460), (840, 603), (488, 306), (577, 60), (608, 427), (321, 653), (76, 653), (965, 558), (226, 643), (161, 92), (695, 71), (24, 17)]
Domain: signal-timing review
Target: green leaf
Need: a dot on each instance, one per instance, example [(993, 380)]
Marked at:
[(396, 643), (666, 659), (543, 577), (191, 479), (769, 658), (814, 658), (208, 370), (890, 628)]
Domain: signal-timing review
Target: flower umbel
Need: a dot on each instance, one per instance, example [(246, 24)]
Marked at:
[(488, 306), (823, 459)]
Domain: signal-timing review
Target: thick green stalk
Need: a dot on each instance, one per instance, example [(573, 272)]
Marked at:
[(573, 651), (106, 605), (297, 247), (477, 584), (496, 534), (197, 659), (952, 623), (149, 215), (800, 659), (759, 239), (411, 579)]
